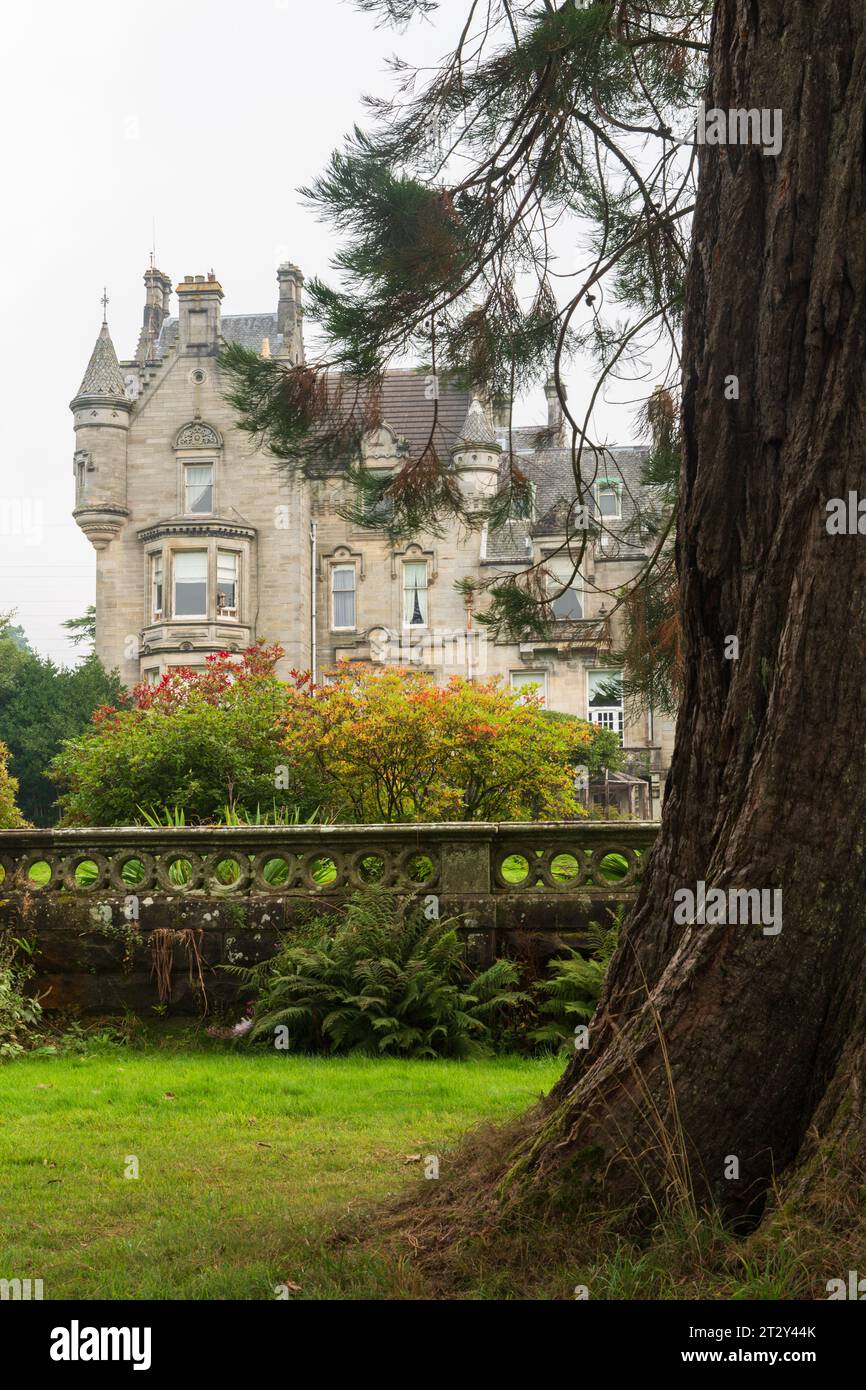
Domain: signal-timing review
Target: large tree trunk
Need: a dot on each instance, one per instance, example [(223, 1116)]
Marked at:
[(719, 1041)]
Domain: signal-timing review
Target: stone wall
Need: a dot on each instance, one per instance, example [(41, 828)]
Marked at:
[(92, 899)]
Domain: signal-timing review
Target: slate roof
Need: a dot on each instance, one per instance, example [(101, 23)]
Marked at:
[(521, 439), (246, 329), (407, 408), (103, 376), (509, 544), (477, 429), (552, 473)]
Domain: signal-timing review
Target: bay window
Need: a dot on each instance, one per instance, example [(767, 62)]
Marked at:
[(190, 584), (227, 584), (156, 576)]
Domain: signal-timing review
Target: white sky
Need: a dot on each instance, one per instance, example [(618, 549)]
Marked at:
[(205, 115)]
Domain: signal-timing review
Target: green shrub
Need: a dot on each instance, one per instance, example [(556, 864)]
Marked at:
[(10, 817), (192, 743), (20, 1015), (377, 979), (575, 982)]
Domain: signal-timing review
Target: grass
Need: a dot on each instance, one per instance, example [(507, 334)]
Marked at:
[(246, 1161), (250, 1162)]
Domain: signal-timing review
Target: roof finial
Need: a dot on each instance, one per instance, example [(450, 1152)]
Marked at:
[(104, 303)]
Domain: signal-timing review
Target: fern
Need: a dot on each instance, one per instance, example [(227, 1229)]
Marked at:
[(574, 986), (379, 979)]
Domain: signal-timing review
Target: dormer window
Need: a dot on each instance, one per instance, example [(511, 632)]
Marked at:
[(198, 489), (378, 510), (609, 500), (523, 507)]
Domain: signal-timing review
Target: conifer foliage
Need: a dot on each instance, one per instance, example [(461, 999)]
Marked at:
[(526, 202)]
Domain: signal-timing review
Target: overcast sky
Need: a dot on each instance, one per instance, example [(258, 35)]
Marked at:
[(204, 116)]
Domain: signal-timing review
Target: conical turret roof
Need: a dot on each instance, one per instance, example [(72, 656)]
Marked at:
[(477, 431), (103, 376)]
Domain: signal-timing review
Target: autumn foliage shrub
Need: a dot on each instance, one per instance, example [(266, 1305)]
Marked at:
[(200, 741), (392, 745), (368, 745)]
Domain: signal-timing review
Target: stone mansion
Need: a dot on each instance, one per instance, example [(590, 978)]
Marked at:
[(203, 544)]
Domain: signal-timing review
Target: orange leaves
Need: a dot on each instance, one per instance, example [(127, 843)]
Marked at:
[(393, 745)]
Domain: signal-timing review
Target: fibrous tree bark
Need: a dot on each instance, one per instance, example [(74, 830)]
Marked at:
[(715, 1042)]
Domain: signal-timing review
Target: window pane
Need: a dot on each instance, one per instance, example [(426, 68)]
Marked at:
[(567, 602), (227, 581), (524, 680), (415, 593), (199, 487), (343, 590), (190, 583), (608, 501), (157, 585), (381, 509), (605, 688)]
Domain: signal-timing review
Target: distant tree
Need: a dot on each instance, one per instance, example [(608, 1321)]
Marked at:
[(382, 745), (41, 705), (10, 817), (13, 632), (82, 629)]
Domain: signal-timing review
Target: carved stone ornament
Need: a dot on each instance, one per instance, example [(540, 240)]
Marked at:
[(197, 435)]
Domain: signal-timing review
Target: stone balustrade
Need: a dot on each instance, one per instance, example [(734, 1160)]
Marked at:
[(84, 894)]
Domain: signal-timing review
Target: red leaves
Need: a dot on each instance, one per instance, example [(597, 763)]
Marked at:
[(225, 670)]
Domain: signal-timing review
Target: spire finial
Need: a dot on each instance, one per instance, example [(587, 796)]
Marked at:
[(104, 302)]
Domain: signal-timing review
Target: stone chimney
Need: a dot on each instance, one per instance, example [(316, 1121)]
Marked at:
[(501, 412), (199, 316), (157, 296), (290, 311), (554, 412)]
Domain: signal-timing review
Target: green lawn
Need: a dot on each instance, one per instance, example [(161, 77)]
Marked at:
[(246, 1161)]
